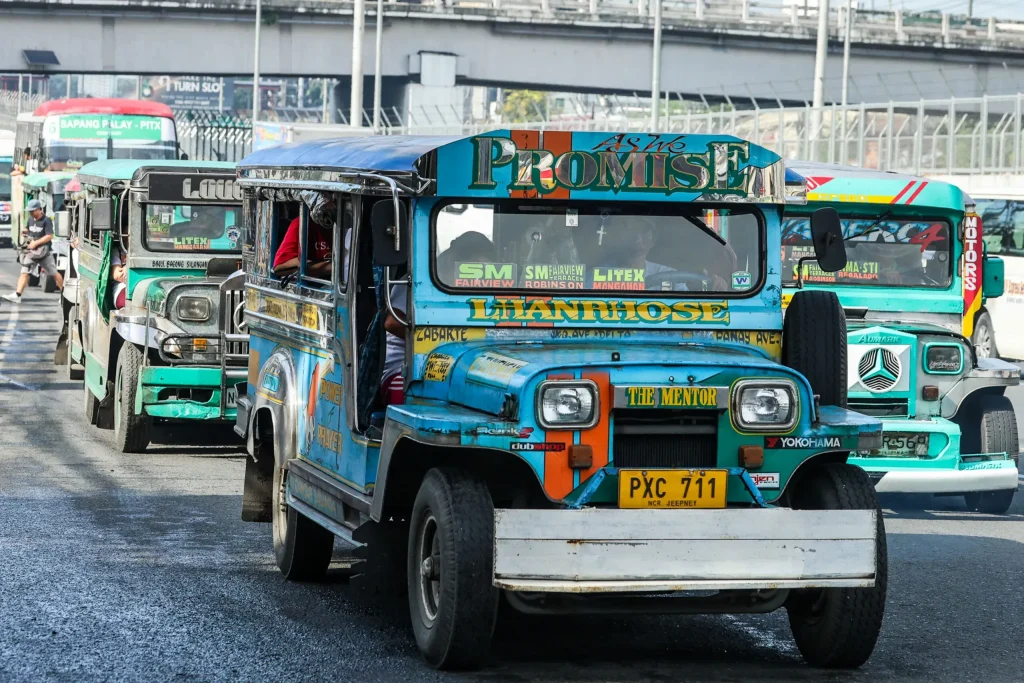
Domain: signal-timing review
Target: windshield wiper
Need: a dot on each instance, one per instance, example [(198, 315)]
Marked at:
[(704, 227), (870, 227)]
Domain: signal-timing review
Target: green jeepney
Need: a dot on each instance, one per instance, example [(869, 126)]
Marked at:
[(48, 187), (914, 292), (173, 351)]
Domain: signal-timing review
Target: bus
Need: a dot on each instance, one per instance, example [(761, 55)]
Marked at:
[(64, 135), (999, 203)]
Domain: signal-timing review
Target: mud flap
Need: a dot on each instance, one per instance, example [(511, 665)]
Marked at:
[(257, 492), (60, 354)]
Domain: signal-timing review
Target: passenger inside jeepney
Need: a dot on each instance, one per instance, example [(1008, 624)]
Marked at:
[(320, 227), (469, 247)]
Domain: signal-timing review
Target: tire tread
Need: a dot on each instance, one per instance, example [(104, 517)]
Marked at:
[(814, 343)]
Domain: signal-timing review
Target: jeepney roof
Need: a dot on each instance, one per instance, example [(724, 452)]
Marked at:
[(523, 163), (109, 171), (104, 105), (44, 178), (834, 183)]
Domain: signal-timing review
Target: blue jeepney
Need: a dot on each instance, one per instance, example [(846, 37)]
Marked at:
[(595, 406)]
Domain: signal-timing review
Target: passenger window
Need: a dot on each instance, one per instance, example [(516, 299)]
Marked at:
[(285, 219), (1002, 224)]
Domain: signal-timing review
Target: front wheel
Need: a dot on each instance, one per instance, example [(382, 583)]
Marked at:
[(838, 627), (131, 430), (996, 432), (452, 599)]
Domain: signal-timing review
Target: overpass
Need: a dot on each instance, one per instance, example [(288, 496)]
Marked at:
[(742, 49)]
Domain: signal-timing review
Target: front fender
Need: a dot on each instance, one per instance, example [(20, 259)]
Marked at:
[(276, 394)]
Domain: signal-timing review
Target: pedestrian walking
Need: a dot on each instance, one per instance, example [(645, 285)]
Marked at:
[(38, 251)]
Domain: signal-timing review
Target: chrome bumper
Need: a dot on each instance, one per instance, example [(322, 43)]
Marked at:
[(948, 481)]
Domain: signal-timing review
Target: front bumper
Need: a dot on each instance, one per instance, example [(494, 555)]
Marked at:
[(153, 380), (944, 470), (604, 550)]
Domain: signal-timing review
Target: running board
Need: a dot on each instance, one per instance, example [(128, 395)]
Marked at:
[(325, 500)]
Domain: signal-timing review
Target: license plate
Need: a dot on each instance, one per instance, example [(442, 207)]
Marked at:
[(672, 488), (899, 443), (232, 397)]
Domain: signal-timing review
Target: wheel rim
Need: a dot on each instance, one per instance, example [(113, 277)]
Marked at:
[(983, 343), (429, 563), (281, 506), (117, 402)]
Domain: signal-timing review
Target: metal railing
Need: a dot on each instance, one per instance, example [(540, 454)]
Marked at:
[(777, 16)]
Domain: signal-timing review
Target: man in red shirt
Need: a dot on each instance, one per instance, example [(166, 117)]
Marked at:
[(319, 239)]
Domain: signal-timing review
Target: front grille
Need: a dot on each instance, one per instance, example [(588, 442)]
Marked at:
[(232, 301), (880, 407), (665, 438)]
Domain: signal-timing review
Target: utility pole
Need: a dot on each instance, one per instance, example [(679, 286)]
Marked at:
[(377, 76), (656, 68), (821, 54), (355, 117), (970, 9), (846, 51), (256, 66)]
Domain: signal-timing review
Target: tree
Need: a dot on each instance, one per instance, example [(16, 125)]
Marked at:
[(524, 105)]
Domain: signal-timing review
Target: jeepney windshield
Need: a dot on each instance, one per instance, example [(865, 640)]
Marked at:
[(587, 246), (6, 163), (73, 140), (203, 228), (892, 253)]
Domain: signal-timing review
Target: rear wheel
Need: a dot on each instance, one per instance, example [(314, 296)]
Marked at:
[(814, 343), (33, 280), (302, 547), (131, 430), (838, 627), (452, 600), (995, 432), (49, 284)]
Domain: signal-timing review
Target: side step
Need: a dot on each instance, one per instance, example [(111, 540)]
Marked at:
[(325, 500)]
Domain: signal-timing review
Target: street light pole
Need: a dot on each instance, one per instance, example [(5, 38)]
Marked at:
[(358, 29), (846, 51), (821, 54), (256, 65), (656, 68), (377, 77)]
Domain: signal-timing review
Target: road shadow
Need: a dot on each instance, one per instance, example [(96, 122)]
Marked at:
[(926, 506)]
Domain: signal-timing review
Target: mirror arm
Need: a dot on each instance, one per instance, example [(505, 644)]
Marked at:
[(388, 283), (800, 270)]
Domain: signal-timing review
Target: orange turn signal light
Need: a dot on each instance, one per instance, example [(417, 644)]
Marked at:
[(751, 457), (930, 392), (581, 457)]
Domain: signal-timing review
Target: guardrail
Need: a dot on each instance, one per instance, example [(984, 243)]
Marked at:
[(788, 17)]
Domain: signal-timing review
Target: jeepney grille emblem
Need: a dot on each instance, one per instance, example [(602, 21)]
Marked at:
[(879, 370)]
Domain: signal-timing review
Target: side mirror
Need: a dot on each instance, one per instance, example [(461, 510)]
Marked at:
[(102, 211), (390, 233), (992, 271), (62, 224), (827, 236)]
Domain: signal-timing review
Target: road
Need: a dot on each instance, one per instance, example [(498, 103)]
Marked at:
[(116, 567)]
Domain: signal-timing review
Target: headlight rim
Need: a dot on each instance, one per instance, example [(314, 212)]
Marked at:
[(948, 345), (184, 297), (774, 383), (539, 402)]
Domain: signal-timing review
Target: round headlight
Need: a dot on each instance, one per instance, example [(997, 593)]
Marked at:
[(567, 405), (193, 309), (765, 406)]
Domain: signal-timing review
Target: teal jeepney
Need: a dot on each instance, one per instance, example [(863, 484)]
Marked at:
[(168, 344), (586, 400), (914, 290), (48, 188)]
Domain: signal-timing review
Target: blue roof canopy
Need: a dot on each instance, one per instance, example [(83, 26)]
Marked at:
[(386, 153)]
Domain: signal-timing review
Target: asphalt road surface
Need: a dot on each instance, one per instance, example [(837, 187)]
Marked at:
[(116, 567)]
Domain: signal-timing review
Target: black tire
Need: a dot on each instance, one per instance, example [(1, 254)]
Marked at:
[(131, 431), (302, 547), (814, 343), (452, 600), (33, 280), (996, 432), (50, 284), (838, 627), (92, 404), (984, 337)]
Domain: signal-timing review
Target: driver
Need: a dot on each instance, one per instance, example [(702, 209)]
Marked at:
[(318, 239)]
